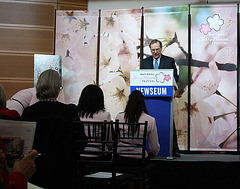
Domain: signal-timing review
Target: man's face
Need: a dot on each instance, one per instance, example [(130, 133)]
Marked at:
[(156, 50)]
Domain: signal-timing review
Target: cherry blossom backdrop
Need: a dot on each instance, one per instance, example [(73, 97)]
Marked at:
[(214, 88), (76, 42), (213, 119), (120, 34)]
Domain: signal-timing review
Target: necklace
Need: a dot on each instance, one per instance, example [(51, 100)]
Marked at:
[(48, 100)]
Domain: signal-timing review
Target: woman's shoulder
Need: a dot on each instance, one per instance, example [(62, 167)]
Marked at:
[(99, 116), (70, 106), (103, 115), (120, 116), (146, 117)]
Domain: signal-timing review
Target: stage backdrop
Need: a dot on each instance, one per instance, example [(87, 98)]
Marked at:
[(76, 42), (214, 88), (119, 41), (213, 119)]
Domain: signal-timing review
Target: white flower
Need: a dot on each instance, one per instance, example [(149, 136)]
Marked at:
[(215, 22), (160, 77), (205, 83)]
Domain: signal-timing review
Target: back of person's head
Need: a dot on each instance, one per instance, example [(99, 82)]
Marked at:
[(48, 85), (91, 101), (135, 106), (2, 97)]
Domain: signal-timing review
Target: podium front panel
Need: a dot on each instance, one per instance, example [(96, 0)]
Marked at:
[(161, 110)]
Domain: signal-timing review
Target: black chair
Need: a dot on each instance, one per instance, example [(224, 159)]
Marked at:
[(131, 153), (96, 165), (54, 140)]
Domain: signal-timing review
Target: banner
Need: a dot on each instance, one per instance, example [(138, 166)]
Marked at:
[(76, 42), (214, 78), (119, 42)]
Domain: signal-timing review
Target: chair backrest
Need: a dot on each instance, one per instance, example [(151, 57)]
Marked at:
[(96, 157), (54, 140), (132, 139)]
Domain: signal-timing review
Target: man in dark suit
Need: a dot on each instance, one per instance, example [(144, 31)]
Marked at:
[(160, 61), (163, 62)]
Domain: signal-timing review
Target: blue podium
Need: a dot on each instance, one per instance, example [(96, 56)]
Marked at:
[(157, 87)]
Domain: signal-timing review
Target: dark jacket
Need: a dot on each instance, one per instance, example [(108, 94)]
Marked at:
[(166, 62)]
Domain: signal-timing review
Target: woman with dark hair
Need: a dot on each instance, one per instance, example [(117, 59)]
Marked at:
[(91, 105), (91, 108), (136, 111)]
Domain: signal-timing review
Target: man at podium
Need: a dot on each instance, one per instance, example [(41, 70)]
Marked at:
[(160, 61)]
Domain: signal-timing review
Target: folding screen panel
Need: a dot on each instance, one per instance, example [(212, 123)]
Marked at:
[(76, 42), (170, 26), (213, 108), (119, 48), (213, 95)]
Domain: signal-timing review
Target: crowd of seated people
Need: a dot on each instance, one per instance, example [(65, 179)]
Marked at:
[(44, 103)]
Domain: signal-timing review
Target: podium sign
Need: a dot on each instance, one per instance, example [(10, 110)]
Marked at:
[(157, 87), (152, 83)]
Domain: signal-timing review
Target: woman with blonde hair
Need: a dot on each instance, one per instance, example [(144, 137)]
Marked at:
[(47, 90), (54, 134)]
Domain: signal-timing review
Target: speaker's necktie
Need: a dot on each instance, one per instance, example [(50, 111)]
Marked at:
[(155, 64)]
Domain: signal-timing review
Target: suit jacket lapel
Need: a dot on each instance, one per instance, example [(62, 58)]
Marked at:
[(152, 62), (162, 62)]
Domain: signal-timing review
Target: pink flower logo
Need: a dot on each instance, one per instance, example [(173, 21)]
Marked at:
[(167, 77), (205, 29)]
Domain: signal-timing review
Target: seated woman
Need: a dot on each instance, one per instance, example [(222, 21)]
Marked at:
[(47, 90), (91, 107), (136, 111), (54, 134), (4, 112)]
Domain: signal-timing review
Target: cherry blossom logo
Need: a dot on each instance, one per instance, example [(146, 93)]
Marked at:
[(205, 29), (160, 77), (213, 23)]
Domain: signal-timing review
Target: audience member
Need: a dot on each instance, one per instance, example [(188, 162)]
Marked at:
[(22, 99), (54, 133), (22, 171), (91, 106), (47, 90), (5, 113), (136, 111)]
